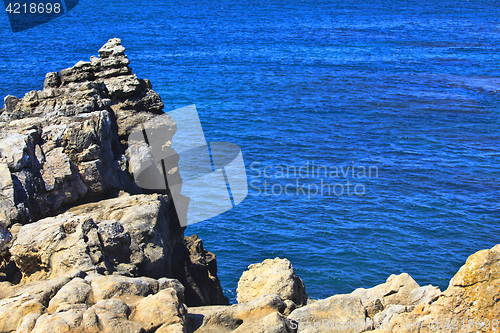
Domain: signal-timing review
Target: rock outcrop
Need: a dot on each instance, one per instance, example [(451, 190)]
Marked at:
[(66, 144), (263, 314), (364, 309), (69, 203), (470, 304), (92, 303), (131, 235), (273, 276)]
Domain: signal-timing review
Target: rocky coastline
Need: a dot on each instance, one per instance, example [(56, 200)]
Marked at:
[(83, 249)]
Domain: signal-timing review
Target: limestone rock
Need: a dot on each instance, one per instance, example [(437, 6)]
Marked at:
[(132, 235), (160, 310), (112, 315), (473, 293), (273, 276), (67, 320), (17, 302), (165, 283), (272, 323), (229, 318), (119, 234), (67, 142), (112, 286), (80, 247), (198, 274), (77, 291), (339, 313), (397, 290)]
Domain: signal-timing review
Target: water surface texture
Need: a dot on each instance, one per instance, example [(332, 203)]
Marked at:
[(409, 88)]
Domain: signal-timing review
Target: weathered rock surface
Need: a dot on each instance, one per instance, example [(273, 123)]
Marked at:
[(66, 144), (92, 303), (273, 276), (245, 317), (363, 309), (198, 274), (470, 304), (161, 310), (70, 209), (129, 234)]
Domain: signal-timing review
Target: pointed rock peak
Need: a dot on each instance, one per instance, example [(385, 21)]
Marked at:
[(113, 48)]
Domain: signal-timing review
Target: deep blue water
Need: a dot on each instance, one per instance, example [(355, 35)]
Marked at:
[(406, 87)]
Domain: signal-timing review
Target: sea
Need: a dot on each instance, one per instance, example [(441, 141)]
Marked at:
[(370, 130)]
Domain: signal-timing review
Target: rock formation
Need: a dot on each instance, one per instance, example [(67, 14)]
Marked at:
[(66, 144), (68, 202), (273, 276), (470, 304)]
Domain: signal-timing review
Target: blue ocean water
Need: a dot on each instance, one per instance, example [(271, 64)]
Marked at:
[(409, 89)]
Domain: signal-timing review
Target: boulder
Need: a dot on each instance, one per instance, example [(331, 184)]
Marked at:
[(129, 235), (77, 291), (246, 315), (273, 276), (112, 317), (160, 310), (65, 320), (112, 286)]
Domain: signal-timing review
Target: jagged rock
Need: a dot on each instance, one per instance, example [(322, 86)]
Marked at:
[(272, 323), (70, 210), (383, 319), (105, 287), (273, 276), (198, 273), (10, 103), (52, 80), (53, 166), (229, 318), (132, 235), (77, 291), (54, 246), (153, 234), (112, 48), (66, 143), (473, 293), (339, 313), (165, 283), (397, 290), (160, 310), (129, 230)]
